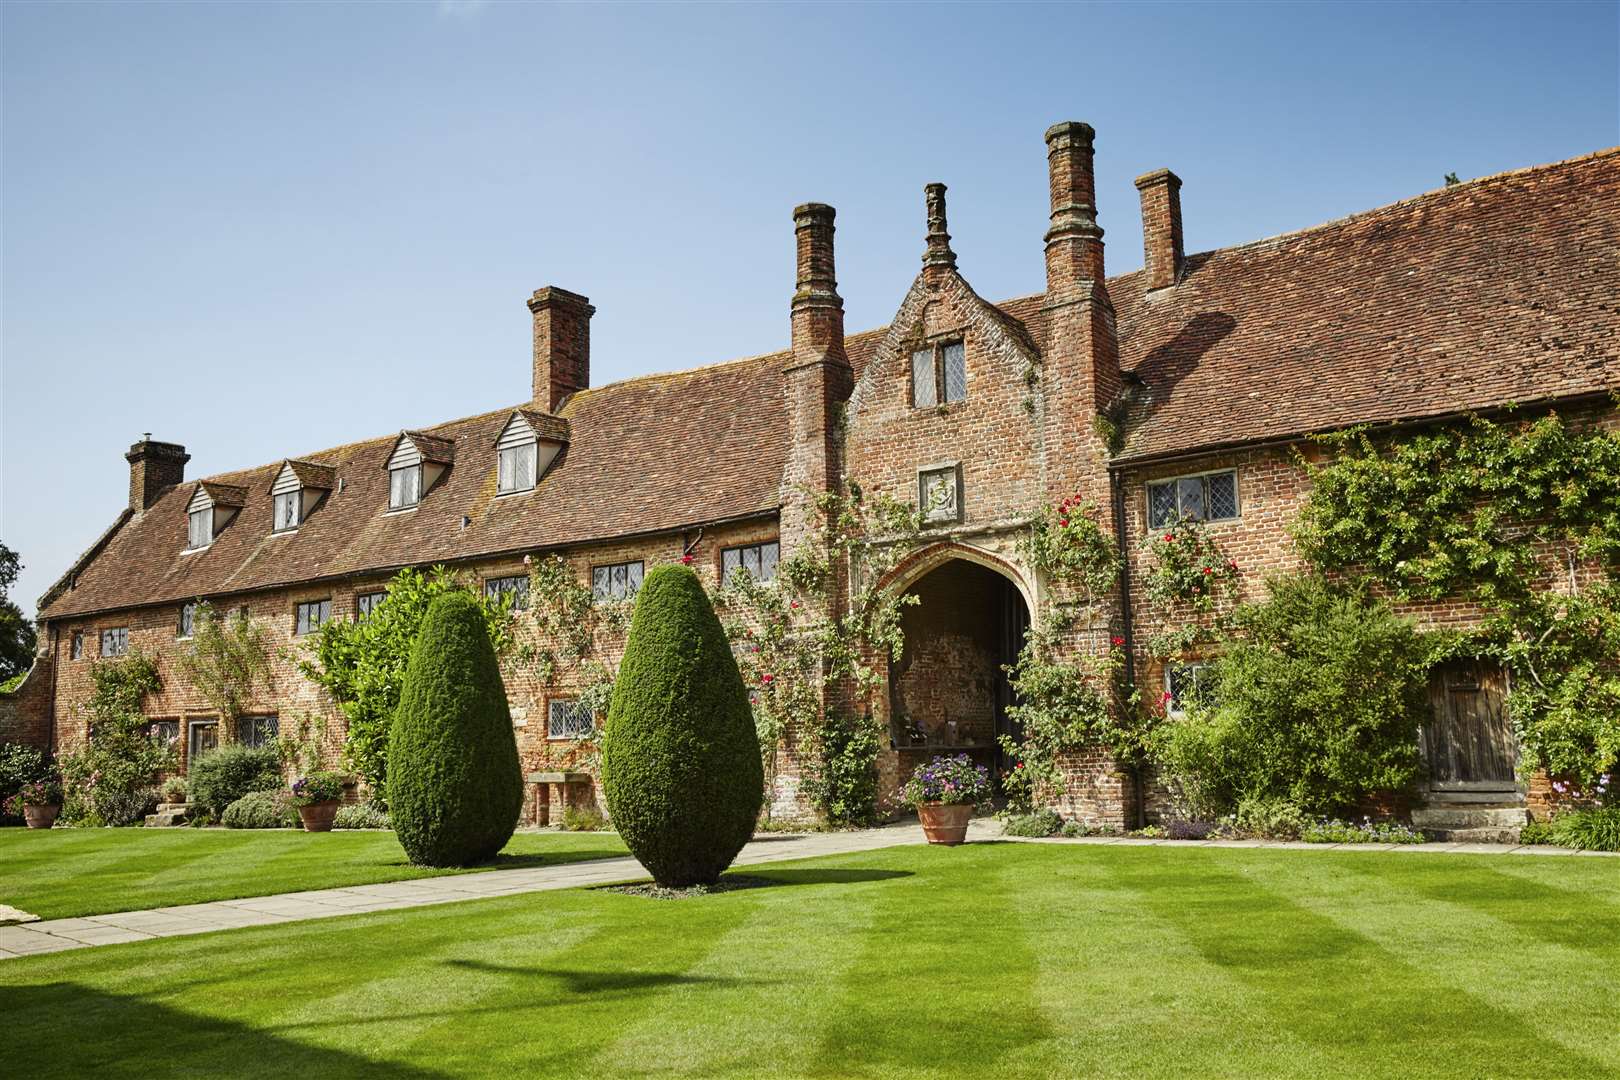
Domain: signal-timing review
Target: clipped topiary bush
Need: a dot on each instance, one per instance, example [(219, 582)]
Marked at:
[(261, 810), (455, 787), (220, 777), (681, 764)]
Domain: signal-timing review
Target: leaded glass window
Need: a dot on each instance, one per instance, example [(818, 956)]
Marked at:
[(367, 603), (1186, 684), (188, 620), (516, 471), (568, 719), (257, 731), (616, 581), (516, 587), (287, 510), (404, 487), (1206, 497), (938, 375), (199, 529), (311, 615), (758, 561), (115, 642), (923, 388), (954, 358)]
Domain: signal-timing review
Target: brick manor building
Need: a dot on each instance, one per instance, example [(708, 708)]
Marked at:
[(1503, 290)]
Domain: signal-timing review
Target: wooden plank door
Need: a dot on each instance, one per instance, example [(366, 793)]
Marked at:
[(1469, 745)]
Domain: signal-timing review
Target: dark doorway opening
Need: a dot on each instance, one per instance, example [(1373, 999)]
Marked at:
[(949, 692)]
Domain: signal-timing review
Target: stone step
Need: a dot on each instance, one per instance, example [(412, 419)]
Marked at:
[(1484, 835), (1478, 798), (1469, 817), (164, 819)]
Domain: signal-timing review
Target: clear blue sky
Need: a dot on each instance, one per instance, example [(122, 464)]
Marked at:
[(265, 230)]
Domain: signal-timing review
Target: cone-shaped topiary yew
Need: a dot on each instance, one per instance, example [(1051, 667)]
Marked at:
[(681, 764), (454, 783)]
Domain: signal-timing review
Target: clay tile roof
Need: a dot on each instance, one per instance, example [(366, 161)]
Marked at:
[(546, 426), (225, 494), (313, 474), (1500, 290), (431, 447)]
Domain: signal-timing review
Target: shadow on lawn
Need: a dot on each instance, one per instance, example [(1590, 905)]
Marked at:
[(824, 875), (609, 983), (135, 1036)]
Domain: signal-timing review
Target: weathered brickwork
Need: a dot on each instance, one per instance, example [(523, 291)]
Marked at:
[(1494, 291)]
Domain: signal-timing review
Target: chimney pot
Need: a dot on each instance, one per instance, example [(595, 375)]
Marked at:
[(154, 467), (1162, 252), (818, 310), (562, 344)]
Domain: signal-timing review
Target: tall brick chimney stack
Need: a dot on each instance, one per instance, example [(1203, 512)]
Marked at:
[(1080, 377), (937, 256), (153, 468), (562, 345), (1161, 227), (818, 377), (1074, 248)]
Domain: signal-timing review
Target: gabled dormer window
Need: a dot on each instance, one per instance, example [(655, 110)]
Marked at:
[(297, 490), (415, 466), (211, 508), (528, 444)]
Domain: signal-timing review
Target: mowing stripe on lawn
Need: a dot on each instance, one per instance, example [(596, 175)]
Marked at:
[(773, 985), (936, 1011), (1523, 973), (1163, 1008), (571, 1002), (1335, 987)]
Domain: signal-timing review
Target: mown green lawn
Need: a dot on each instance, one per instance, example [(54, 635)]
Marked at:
[(58, 873), (990, 960)]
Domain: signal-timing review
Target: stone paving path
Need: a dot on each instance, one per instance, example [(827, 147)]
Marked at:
[(55, 935)]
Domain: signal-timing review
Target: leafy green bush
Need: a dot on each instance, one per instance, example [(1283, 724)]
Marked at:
[(583, 819), (1273, 819), (1317, 701), (362, 663), (361, 816), (267, 809), (224, 775), (681, 764), (455, 787), (1588, 830), (1536, 832), (843, 778), (19, 765), (109, 778), (1044, 822)]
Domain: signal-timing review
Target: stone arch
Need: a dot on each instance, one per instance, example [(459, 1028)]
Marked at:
[(920, 563)]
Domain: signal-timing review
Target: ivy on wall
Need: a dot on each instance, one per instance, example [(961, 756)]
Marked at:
[(1191, 583), (1495, 512), (226, 663)]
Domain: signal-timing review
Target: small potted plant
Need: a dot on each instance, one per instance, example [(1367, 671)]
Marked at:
[(317, 796), (944, 792), (39, 802), (174, 790)]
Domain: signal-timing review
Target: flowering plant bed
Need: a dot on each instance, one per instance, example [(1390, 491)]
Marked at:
[(37, 802)]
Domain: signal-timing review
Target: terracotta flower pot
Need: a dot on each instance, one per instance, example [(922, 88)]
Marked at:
[(317, 817), (41, 817), (945, 823)]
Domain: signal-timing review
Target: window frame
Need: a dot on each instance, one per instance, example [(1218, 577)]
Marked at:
[(250, 729), (551, 705), (192, 516), (494, 587), (1197, 668), (295, 500), (157, 727), (630, 590), (120, 634), (954, 516), (186, 625), (533, 449), (1174, 482), (394, 507), (368, 600), (775, 542), (940, 377), (310, 626)]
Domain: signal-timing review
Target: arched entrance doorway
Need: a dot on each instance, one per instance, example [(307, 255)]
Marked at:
[(948, 693)]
